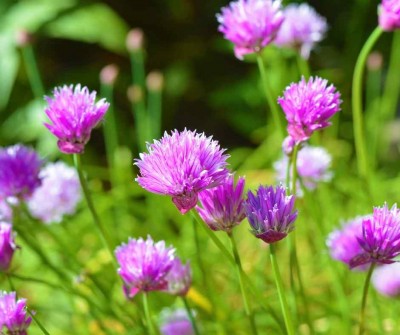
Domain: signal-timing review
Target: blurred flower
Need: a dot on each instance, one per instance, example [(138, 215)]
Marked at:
[(222, 206), (134, 40), (7, 245), (5, 211), (250, 24), (13, 315), (308, 106), (179, 278), (144, 265), (271, 213), (109, 74), (386, 279), (19, 171), (380, 239), (175, 322), (181, 165), (389, 15), (74, 113), (302, 28), (60, 183), (313, 165)]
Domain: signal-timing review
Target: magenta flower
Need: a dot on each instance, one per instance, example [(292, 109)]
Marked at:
[(60, 183), (74, 113), (7, 245), (271, 213), (176, 323), (308, 106), (386, 279), (302, 28), (222, 206), (144, 265), (13, 315), (250, 24), (19, 171), (179, 278), (389, 15), (380, 239), (181, 165)]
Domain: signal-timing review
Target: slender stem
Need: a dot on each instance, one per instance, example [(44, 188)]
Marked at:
[(302, 65), (281, 293), (96, 219), (154, 110), (294, 169), (270, 97), (39, 324), (362, 160), (364, 298), (33, 71), (147, 314), (191, 316)]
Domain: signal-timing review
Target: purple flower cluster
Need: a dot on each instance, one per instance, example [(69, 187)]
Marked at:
[(389, 15), (74, 113), (386, 279), (176, 322), (7, 245), (250, 24), (179, 278), (13, 315)]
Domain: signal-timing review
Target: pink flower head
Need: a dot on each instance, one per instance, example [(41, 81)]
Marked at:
[(389, 15), (144, 265), (250, 24), (308, 106), (7, 245), (386, 279), (74, 113), (13, 315), (222, 206), (176, 322), (181, 165), (302, 28), (179, 278)]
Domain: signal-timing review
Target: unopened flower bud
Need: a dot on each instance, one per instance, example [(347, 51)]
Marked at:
[(155, 81), (134, 40), (109, 74)]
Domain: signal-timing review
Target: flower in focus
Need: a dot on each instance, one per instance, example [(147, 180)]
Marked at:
[(386, 279), (250, 24), (179, 278), (74, 113), (175, 322), (19, 171), (271, 213), (60, 183), (7, 245), (13, 315), (313, 165), (389, 15), (380, 239), (144, 265), (302, 28), (222, 206), (308, 106), (181, 165)]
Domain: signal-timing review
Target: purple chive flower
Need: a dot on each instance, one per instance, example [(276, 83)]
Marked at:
[(144, 265), (7, 245), (302, 28), (176, 322), (13, 315), (60, 183), (222, 206), (179, 278), (380, 239), (271, 213), (386, 279), (181, 165), (250, 24), (19, 171), (74, 113), (389, 15), (308, 106)]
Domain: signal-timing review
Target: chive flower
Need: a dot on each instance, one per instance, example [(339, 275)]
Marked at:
[(271, 213), (179, 278), (175, 322), (389, 15), (181, 165), (250, 24), (7, 245), (386, 279), (13, 315), (73, 113)]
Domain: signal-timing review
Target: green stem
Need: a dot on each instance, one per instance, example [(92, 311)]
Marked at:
[(281, 293), (362, 160), (33, 72), (294, 169), (239, 271), (147, 314), (303, 66), (270, 97), (191, 316), (154, 110), (364, 298), (39, 324)]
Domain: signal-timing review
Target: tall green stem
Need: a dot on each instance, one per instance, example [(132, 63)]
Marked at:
[(39, 324), (239, 271), (303, 66), (364, 298), (357, 108), (294, 169), (281, 293), (191, 316), (33, 71), (147, 314)]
